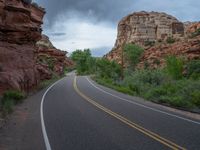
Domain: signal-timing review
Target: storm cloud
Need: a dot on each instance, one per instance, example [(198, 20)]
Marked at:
[(79, 24)]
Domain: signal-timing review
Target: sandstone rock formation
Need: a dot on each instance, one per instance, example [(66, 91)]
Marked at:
[(20, 28), (49, 59), (155, 57), (141, 27)]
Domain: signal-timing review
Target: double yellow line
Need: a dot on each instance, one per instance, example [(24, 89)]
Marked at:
[(128, 122)]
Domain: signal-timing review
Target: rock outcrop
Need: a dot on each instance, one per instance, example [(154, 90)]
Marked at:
[(153, 27), (141, 27), (155, 57), (49, 59), (20, 28)]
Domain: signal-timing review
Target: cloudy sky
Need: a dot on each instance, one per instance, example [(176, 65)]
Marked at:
[(79, 24)]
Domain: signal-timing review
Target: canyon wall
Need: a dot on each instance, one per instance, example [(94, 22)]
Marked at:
[(146, 28), (20, 29)]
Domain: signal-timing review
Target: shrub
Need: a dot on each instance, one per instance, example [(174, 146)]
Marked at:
[(9, 99), (133, 54), (196, 33), (16, 96), (191, 92), (193, 69), (174, 94), (7, 106), (170, 40), (149, 43), (142, 80), (51, 63), (175, 67)]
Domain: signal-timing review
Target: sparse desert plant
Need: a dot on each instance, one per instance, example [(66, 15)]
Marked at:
[(149, 43), (196, 33), (16, 96), (9, 99), (7, 107), (170, 40)]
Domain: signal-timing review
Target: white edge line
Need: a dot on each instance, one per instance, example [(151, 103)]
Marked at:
[(46, 140), (141, 105)]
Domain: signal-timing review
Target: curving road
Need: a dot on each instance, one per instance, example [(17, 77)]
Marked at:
[(78, 114)]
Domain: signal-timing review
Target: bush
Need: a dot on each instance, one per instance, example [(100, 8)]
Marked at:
[(191, 92), (133, 54), (142, 80), (175, 67), (108, 69), (16, 96), (7, 107), (193, 69), (196, 33), (9, 99), (170, 40), (149, 43)]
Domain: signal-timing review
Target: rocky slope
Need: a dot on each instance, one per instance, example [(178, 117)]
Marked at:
[(20, 29), (146, 28), (50, 60)]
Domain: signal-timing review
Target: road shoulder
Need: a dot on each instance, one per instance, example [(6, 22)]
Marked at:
[(22, 130)]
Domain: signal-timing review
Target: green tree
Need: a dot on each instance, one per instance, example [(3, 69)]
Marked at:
[(108, 69), (132, 54), (175, 67), (83, 60)]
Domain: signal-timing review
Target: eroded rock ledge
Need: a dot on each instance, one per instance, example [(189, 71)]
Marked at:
[(20, 29), (143, 27)]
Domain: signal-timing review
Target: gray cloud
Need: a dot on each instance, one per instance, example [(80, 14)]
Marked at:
[(75, 24), (111, 10)]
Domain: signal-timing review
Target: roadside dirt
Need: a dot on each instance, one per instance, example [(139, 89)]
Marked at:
[(22, 129)]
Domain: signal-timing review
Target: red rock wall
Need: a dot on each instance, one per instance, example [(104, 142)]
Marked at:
[(155, 57), (20, 28), (46, 51)]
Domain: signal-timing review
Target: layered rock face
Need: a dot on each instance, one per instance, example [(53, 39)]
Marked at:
[(20, 28), (155, 57), (50, 60), (141, 27)]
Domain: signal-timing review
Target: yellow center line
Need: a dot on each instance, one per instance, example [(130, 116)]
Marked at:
[(131, 124)]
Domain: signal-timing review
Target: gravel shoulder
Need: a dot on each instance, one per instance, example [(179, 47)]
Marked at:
[(22, 129)]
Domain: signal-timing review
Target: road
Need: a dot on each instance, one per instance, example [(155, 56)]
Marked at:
[(78, 114)]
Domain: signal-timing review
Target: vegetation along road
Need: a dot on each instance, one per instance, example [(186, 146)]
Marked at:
[(77, 113)]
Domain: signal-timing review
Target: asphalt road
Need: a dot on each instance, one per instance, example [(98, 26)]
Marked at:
[(78, 114)]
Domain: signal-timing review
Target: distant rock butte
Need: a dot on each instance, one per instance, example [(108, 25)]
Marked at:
[(20, 29), (141, 27)]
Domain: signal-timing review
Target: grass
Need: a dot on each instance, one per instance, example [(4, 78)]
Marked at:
[(10, 99), (108, 83)]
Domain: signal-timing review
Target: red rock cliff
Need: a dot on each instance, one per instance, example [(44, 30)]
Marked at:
[(141, 27), (50, 60), (20, 28)]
